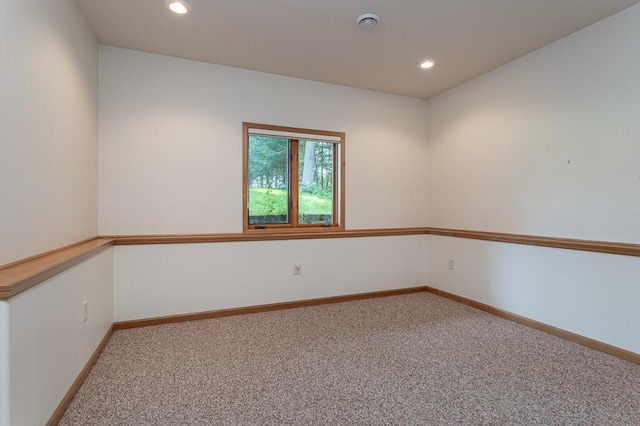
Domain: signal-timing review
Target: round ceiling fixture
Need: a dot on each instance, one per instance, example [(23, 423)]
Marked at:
[(368, 20), (177, 6), (429, 63)]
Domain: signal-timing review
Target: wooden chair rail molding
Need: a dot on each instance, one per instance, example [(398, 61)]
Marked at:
[(261, 236), (19, 276), (626, 249)]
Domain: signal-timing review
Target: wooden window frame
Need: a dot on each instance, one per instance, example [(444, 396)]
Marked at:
[(338, 173)]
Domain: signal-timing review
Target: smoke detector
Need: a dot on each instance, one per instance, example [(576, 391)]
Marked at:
[(368, 20)]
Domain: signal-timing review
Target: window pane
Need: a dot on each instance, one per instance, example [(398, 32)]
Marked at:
[(315, 186), (268, 180)]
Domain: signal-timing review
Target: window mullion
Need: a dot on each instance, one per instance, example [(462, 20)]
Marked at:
[(293, 185)]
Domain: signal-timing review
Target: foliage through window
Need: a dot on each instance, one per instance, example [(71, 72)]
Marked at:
[(292, 178)]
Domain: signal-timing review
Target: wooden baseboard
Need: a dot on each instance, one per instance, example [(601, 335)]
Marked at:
[(75, 387), (573, 337), (262, 308), (576, 338)]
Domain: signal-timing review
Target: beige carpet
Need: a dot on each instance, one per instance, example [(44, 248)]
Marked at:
[(414, 359)]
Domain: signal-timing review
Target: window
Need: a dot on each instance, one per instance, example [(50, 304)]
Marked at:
[(293, 178)]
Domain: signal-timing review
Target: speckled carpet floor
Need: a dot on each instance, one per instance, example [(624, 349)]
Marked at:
[(408, 360)]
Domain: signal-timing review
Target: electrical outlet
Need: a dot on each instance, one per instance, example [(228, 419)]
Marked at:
[(297, 268), (85, 307), (451, 264)]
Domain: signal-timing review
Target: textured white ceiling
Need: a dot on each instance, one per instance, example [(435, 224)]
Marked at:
[(319, 39)]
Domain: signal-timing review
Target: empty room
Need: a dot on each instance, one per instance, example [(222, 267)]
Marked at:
[(319, 212)]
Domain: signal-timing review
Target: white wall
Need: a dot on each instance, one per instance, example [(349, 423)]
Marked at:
[(545, 145), (4, 362), (170, 279), (500, 144), (171, 144), (49, 199), (48, 340), (171, 162), (49, 125)]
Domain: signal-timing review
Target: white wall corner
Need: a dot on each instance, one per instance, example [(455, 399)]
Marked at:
[(4, 363)]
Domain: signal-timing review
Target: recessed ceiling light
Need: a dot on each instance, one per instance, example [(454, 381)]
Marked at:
[(177, 6), (429, 63), (368, 20)]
